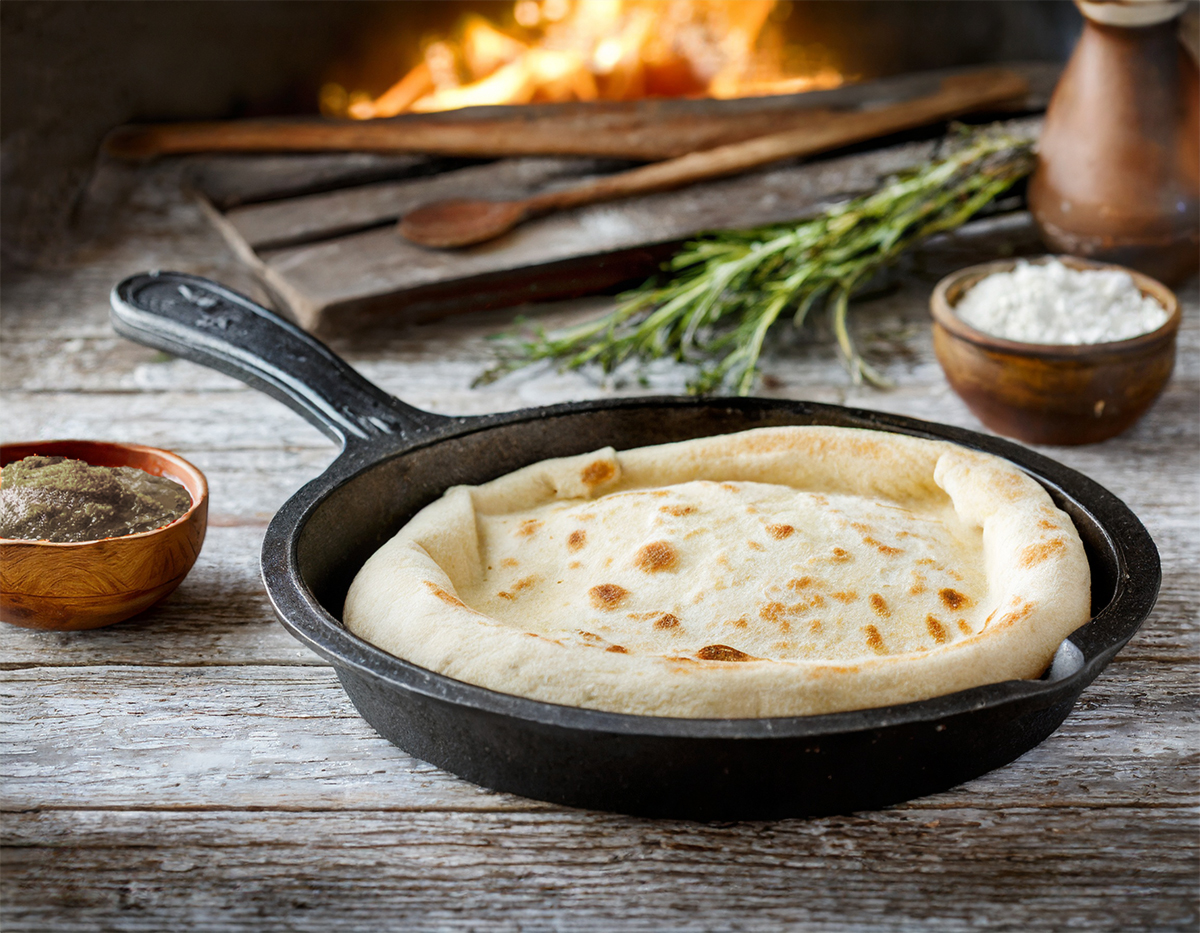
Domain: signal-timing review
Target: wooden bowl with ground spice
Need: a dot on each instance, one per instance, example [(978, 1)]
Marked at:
[(83, 584), (1071, 369)]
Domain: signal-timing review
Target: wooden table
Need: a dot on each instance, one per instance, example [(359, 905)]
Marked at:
[(197, 769)]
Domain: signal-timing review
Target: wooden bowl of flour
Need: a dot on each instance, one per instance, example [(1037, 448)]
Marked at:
[(1052, 393)]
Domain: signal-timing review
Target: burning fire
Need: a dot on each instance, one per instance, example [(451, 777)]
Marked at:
[(563, 50)]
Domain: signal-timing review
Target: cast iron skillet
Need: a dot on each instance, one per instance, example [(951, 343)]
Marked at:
[(396, 459)]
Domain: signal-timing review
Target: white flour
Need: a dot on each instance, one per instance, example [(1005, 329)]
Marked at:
[(1052, 303)]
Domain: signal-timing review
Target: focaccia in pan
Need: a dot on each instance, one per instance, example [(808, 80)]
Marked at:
[(774, 572)]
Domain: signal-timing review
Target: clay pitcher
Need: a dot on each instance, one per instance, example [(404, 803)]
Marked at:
[(1118, 175)]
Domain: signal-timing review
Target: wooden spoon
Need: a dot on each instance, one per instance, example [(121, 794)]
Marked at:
[(463, 222)]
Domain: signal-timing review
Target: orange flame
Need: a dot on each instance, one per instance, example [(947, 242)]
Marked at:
[(563, 50)]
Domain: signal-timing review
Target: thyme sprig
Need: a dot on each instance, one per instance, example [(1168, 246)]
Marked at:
[(723, 292)]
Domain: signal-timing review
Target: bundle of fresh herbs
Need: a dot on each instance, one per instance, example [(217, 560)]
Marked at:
[(723, 292)]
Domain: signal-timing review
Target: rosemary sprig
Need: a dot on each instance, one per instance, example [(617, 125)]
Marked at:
[(725, 291)]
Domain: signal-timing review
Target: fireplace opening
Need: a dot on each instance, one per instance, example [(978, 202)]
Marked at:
[(72, 71), (530, 51)]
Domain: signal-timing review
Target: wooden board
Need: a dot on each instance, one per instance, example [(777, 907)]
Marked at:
[(355, 271), (318, 218), (231, 180)]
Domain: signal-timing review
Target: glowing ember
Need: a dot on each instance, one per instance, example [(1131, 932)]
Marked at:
[(562, 50)]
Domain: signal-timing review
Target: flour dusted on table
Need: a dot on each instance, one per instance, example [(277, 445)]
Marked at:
[(1055, 304)]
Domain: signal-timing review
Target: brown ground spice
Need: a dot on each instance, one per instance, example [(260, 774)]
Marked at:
[(61, 500)]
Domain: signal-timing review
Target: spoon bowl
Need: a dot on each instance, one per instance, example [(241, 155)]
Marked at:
[(461, 222), (89, 584)]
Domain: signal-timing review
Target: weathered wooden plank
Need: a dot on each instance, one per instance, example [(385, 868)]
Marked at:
[(434, 366), (220, 419), (154, 228), (245, 420), (271, 737), (892, 329), (1118, 869), (339, 283), (353, 280), (288, 738), (647, 129), (98, 363), (219, 615), (319, 217), (443, 383), (89, 353), (230, 180)]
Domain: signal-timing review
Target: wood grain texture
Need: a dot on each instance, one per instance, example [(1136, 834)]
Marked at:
[(232, 180), (295, 220), (906, 869), (196, 768), (231, 737), (644, 129), (344, 283)]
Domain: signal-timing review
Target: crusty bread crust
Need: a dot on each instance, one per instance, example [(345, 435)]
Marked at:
[(775, 572)]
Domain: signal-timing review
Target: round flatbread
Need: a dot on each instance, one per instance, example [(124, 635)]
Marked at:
[(774, 572)]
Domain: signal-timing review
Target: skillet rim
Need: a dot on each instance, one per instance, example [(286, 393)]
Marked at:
[(1098, 640)]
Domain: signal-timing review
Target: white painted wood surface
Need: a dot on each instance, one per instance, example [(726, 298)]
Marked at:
[(197, 769)]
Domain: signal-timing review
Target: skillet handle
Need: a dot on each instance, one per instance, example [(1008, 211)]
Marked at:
[(198, 319)]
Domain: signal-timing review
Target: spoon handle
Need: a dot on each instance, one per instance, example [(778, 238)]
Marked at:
[(957, 95)]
